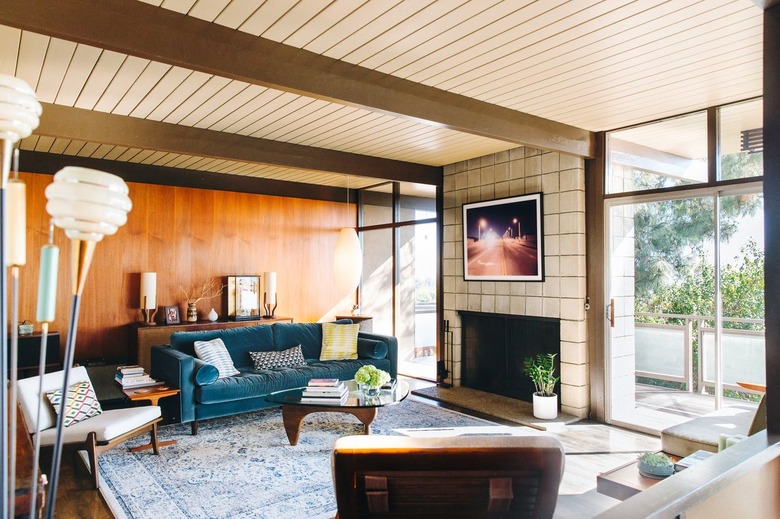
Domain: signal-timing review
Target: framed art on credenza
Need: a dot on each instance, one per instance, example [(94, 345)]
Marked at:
[(172, 315)]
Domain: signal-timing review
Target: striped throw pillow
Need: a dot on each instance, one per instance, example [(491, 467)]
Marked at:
[(82, 403), (339, 341), (215, 353)]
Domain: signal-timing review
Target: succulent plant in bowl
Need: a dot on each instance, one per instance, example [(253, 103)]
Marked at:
[(655, 464)]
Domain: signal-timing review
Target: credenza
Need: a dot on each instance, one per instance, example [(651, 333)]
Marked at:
[(144, 336)]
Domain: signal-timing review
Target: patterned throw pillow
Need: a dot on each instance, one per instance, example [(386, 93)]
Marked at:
[(82, 403), (215, 353), (288, 358), (339, 341)]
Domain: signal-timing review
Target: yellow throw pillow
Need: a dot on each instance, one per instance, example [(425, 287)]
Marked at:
[(339, 341)]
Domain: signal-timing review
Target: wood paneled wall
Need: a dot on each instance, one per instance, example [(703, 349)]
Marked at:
[(188, 235)]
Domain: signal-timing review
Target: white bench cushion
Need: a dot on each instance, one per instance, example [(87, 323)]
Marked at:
[(106, 426)]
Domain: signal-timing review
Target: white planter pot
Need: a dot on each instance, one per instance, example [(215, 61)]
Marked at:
[(545, 407)]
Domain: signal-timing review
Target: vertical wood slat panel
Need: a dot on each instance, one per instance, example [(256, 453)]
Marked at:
[(188, 235)]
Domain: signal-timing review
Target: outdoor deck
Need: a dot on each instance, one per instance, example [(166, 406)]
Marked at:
[(680, 403)]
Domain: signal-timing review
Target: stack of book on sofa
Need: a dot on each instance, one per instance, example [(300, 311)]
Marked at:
[(133, 376), (325, 391)]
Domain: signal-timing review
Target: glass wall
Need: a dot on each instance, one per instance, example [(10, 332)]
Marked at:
[(399, 230)]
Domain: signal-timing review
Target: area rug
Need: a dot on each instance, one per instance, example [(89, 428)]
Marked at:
[(489, 404), (243, 465)]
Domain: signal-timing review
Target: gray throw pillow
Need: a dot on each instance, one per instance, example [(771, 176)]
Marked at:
[(288, 358)]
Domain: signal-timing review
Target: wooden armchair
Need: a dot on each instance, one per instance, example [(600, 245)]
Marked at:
[(462, 477), (94, 435)]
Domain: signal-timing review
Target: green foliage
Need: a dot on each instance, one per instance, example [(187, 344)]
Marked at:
[(371, 376), (541, 369), (742, 289), (655, 459)]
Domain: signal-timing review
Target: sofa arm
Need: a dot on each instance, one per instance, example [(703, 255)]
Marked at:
[(392, 348), (178, 370)]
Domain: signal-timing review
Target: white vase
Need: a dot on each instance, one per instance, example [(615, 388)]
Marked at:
[(545, 407), (212, 315)]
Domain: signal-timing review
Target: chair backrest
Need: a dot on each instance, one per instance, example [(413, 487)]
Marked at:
[(473, 476), (29, 396)]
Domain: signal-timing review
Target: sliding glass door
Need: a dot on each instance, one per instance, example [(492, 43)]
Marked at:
[(684, 273)]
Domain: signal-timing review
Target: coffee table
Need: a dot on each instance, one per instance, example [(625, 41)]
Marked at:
[(364, 408), (625, 481)]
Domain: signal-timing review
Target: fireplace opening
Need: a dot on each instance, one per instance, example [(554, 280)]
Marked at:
[(493, 347)]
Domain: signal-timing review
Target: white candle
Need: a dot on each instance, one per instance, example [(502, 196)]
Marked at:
[(148, 290), (270, 287), (47, 283), (16, 223)]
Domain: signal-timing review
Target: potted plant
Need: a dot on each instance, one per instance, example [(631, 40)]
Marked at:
[(541, 369), (655, 465)]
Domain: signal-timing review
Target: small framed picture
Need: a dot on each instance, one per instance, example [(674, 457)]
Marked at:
[(172, 315)]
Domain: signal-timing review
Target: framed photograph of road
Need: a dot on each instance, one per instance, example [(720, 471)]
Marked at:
[(503, 239)]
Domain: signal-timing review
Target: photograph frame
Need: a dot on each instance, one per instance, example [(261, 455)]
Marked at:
[(513, 252), (171, 314), (244, 298)]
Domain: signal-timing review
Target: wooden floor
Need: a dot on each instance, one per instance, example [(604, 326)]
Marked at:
[(681, 403), (590, 449)]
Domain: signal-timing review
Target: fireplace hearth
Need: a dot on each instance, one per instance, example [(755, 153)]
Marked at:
[(494, 346)]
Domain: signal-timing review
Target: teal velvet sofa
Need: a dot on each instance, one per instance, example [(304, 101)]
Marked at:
[(203, 396)]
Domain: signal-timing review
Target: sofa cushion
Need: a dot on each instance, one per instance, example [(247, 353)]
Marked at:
[(371, 349), (82, 403), (215, 353), (704, 432), (238, 341), (308, 335), (288, 358), (254, 384), (339, 341)]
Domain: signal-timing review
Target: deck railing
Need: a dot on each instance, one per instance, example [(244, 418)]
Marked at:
[(684, 352)]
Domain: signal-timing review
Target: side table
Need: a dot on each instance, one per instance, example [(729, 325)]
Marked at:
[(152, 395), (625, 481)]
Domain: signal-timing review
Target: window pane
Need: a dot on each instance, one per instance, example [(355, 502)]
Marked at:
[(664, 154), (418, 202), (742, 140), (416, 299), (377, 204), (376, 297)]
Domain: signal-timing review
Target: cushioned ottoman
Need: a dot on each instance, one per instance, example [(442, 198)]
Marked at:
[(703, 433)]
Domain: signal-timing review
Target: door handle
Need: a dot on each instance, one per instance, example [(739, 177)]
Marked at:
[(610, 314)]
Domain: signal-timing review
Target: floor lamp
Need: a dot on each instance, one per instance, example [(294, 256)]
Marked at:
[(88, 205), (19, 113)]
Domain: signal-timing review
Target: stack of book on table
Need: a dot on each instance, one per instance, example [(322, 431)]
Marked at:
[(325, 391), (133, 376)]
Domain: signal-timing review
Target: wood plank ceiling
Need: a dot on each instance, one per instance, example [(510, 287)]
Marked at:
[(405, 82)]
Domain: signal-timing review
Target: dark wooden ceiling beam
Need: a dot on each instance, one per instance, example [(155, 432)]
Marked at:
[(86, 125), (142, 30), (50, 163)]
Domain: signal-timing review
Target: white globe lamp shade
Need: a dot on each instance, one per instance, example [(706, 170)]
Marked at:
[(19, 109), (348, 260), (87, 204)]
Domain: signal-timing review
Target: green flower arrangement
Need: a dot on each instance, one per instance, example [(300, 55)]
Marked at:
[(371, 376)]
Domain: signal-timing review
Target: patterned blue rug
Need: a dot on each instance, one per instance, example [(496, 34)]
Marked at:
[(243, 466)]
